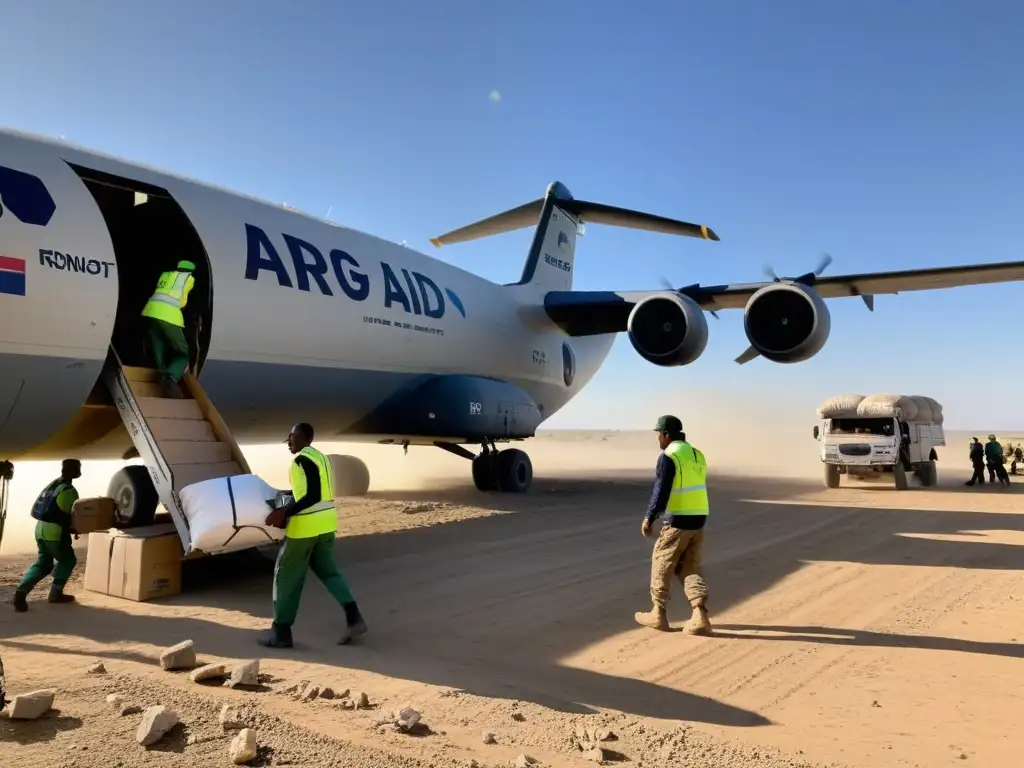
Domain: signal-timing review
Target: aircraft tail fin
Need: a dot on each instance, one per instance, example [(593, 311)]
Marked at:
[(559, 219)]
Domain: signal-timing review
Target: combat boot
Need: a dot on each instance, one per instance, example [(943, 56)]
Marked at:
[(57, 596), (355, 625), (654, 618), (277, 637), (699, 624), (20, 602)]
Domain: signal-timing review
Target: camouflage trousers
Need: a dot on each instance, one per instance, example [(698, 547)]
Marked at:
[(677, 554)]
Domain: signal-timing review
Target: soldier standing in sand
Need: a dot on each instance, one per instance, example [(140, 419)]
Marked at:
[(681, 496)]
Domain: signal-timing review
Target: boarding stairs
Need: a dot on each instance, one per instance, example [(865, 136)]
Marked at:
[(180, 441)]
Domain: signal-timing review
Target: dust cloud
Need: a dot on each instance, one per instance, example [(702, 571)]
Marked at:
[(751, 434)]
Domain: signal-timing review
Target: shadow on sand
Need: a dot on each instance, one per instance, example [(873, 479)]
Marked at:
[(493, 606)]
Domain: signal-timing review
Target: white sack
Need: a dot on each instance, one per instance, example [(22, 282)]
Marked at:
[(212, 524), (909, 408), (840, 406)]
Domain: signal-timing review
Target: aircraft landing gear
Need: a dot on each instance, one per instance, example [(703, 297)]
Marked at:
[(135, 497), (351, 475), (507, 471)]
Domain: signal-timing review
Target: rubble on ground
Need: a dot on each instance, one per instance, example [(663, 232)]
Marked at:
[(180, 656)]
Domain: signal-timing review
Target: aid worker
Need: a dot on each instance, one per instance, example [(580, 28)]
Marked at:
[(165, 326), (681, 496), (310, 523), (52, 511)]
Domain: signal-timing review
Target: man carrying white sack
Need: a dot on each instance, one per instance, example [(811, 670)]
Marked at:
[(310, 523)]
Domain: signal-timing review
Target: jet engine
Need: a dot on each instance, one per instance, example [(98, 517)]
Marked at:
[(668, 329), (787, 322)]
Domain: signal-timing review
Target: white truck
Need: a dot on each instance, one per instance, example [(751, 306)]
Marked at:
[(880, 437)]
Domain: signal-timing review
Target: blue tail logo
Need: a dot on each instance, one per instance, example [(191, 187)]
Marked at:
[(26, 197)]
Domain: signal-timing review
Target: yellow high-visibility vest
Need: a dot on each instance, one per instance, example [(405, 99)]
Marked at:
[(322, 517), (170, 297), (689, 487)]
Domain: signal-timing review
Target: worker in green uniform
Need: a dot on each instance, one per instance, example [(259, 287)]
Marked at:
[(165, 326), (680, 496), (52, 512), (310, 522)]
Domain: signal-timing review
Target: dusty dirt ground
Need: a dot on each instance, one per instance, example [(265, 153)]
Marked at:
[(858, 627)]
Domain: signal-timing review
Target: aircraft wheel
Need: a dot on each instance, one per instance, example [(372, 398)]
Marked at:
[(351, 475), (135, 497), (485, 472), (515, 471)]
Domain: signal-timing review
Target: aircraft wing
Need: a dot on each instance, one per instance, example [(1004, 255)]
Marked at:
[(585, 313)]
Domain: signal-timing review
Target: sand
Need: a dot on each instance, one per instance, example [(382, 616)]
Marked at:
[(858, 627)]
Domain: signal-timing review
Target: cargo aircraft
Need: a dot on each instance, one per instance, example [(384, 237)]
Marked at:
[(297, 318)]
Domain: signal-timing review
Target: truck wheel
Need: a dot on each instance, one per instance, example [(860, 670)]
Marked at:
[(831, 476), (929, 474), (900, 476)]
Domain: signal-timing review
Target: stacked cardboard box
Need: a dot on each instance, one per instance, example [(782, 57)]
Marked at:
[(95, 514), (137, 564)]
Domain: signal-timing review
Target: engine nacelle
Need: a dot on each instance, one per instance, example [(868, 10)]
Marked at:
[(787, 322), (668, 329)]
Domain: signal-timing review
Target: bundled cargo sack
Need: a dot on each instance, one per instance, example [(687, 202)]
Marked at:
[(839, 407), (226, 514), (928, 409), (887, 407)]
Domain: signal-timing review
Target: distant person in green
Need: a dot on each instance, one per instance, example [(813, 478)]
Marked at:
[(52, 512), (310, 523), (165, 326)]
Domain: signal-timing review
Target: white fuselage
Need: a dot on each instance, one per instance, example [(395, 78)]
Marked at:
[(303, 320)]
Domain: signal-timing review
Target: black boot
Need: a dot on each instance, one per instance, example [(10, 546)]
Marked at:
[(20, 602), (57, 596), (277, 637), (356, 625)]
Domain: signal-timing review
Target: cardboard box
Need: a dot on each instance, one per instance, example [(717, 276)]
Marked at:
[(138, 564), (95, 514)]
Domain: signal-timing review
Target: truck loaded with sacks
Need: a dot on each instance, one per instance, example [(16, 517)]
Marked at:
[(880, 437)]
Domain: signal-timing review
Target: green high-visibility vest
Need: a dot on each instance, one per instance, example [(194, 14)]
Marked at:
[(170, 297), (689, 487), (322, 517)]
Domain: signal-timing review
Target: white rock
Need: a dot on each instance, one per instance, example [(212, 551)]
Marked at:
[(156, 721), (208, 672), (243, 747), (246, 673), (180, 656), (406, 718), (525, 761), (595, 754), (97, 669), (30, 706)]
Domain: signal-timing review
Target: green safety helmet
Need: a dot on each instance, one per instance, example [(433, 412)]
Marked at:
[(186, 266)]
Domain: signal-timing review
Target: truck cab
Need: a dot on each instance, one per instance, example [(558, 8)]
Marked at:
[(879, 448)]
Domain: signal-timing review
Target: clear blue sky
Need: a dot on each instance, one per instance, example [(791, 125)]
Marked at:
[(889, 134)]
